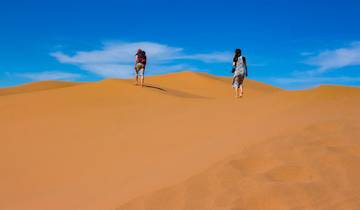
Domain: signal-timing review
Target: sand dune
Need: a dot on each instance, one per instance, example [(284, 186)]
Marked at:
[(181, 142), (36, 86)]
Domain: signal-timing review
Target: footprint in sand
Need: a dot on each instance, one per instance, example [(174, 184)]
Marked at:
[(253, 165), (290, 173)]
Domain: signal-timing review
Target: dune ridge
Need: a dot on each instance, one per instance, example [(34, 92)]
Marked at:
[(36, 86), (181, 142)]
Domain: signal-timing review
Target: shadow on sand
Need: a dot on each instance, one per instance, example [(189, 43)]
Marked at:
[(173, 92), (155, 87)]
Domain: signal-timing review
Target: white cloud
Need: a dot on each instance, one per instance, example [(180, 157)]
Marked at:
[(116, 59), (334, 59), (48, 75), (315, 80), (301, 82), (109, 69), (119, 53)]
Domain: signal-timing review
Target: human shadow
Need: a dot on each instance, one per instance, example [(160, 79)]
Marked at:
[(155, 87), (173, 92)]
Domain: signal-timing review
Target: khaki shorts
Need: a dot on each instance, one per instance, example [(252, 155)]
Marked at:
[(140, 69)]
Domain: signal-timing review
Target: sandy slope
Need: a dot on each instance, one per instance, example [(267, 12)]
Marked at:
[(182, 142), (36, 86)]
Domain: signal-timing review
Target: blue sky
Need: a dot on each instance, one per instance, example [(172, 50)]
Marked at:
[(290, 44)]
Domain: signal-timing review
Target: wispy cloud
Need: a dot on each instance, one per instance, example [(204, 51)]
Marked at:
[(316, 80), (334, 59), (48, 75), (302, 82), (116, 59)]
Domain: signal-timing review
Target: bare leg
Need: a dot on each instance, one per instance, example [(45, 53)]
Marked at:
[(241, 90), (236, 92), (142, 81), (142, 77), (136, 79)]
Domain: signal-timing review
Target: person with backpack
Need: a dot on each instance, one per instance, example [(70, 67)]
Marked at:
[(240, 72), (140, 64)]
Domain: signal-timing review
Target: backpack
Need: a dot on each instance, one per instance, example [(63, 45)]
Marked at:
[(141, 57)]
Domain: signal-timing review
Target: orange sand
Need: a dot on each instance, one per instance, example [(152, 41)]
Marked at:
[(182, 142)]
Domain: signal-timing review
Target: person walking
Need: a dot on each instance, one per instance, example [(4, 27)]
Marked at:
[(140, 64), (240, 72)]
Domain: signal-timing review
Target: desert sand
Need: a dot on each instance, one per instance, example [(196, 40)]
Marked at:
[(181, 142)]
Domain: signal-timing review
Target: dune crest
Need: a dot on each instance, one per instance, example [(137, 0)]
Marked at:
[(36, 86), (181, 142)]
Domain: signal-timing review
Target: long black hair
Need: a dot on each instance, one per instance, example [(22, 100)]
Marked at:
[(237, 55)]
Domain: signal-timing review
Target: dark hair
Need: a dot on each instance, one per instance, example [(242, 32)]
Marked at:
[(237, 54)]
